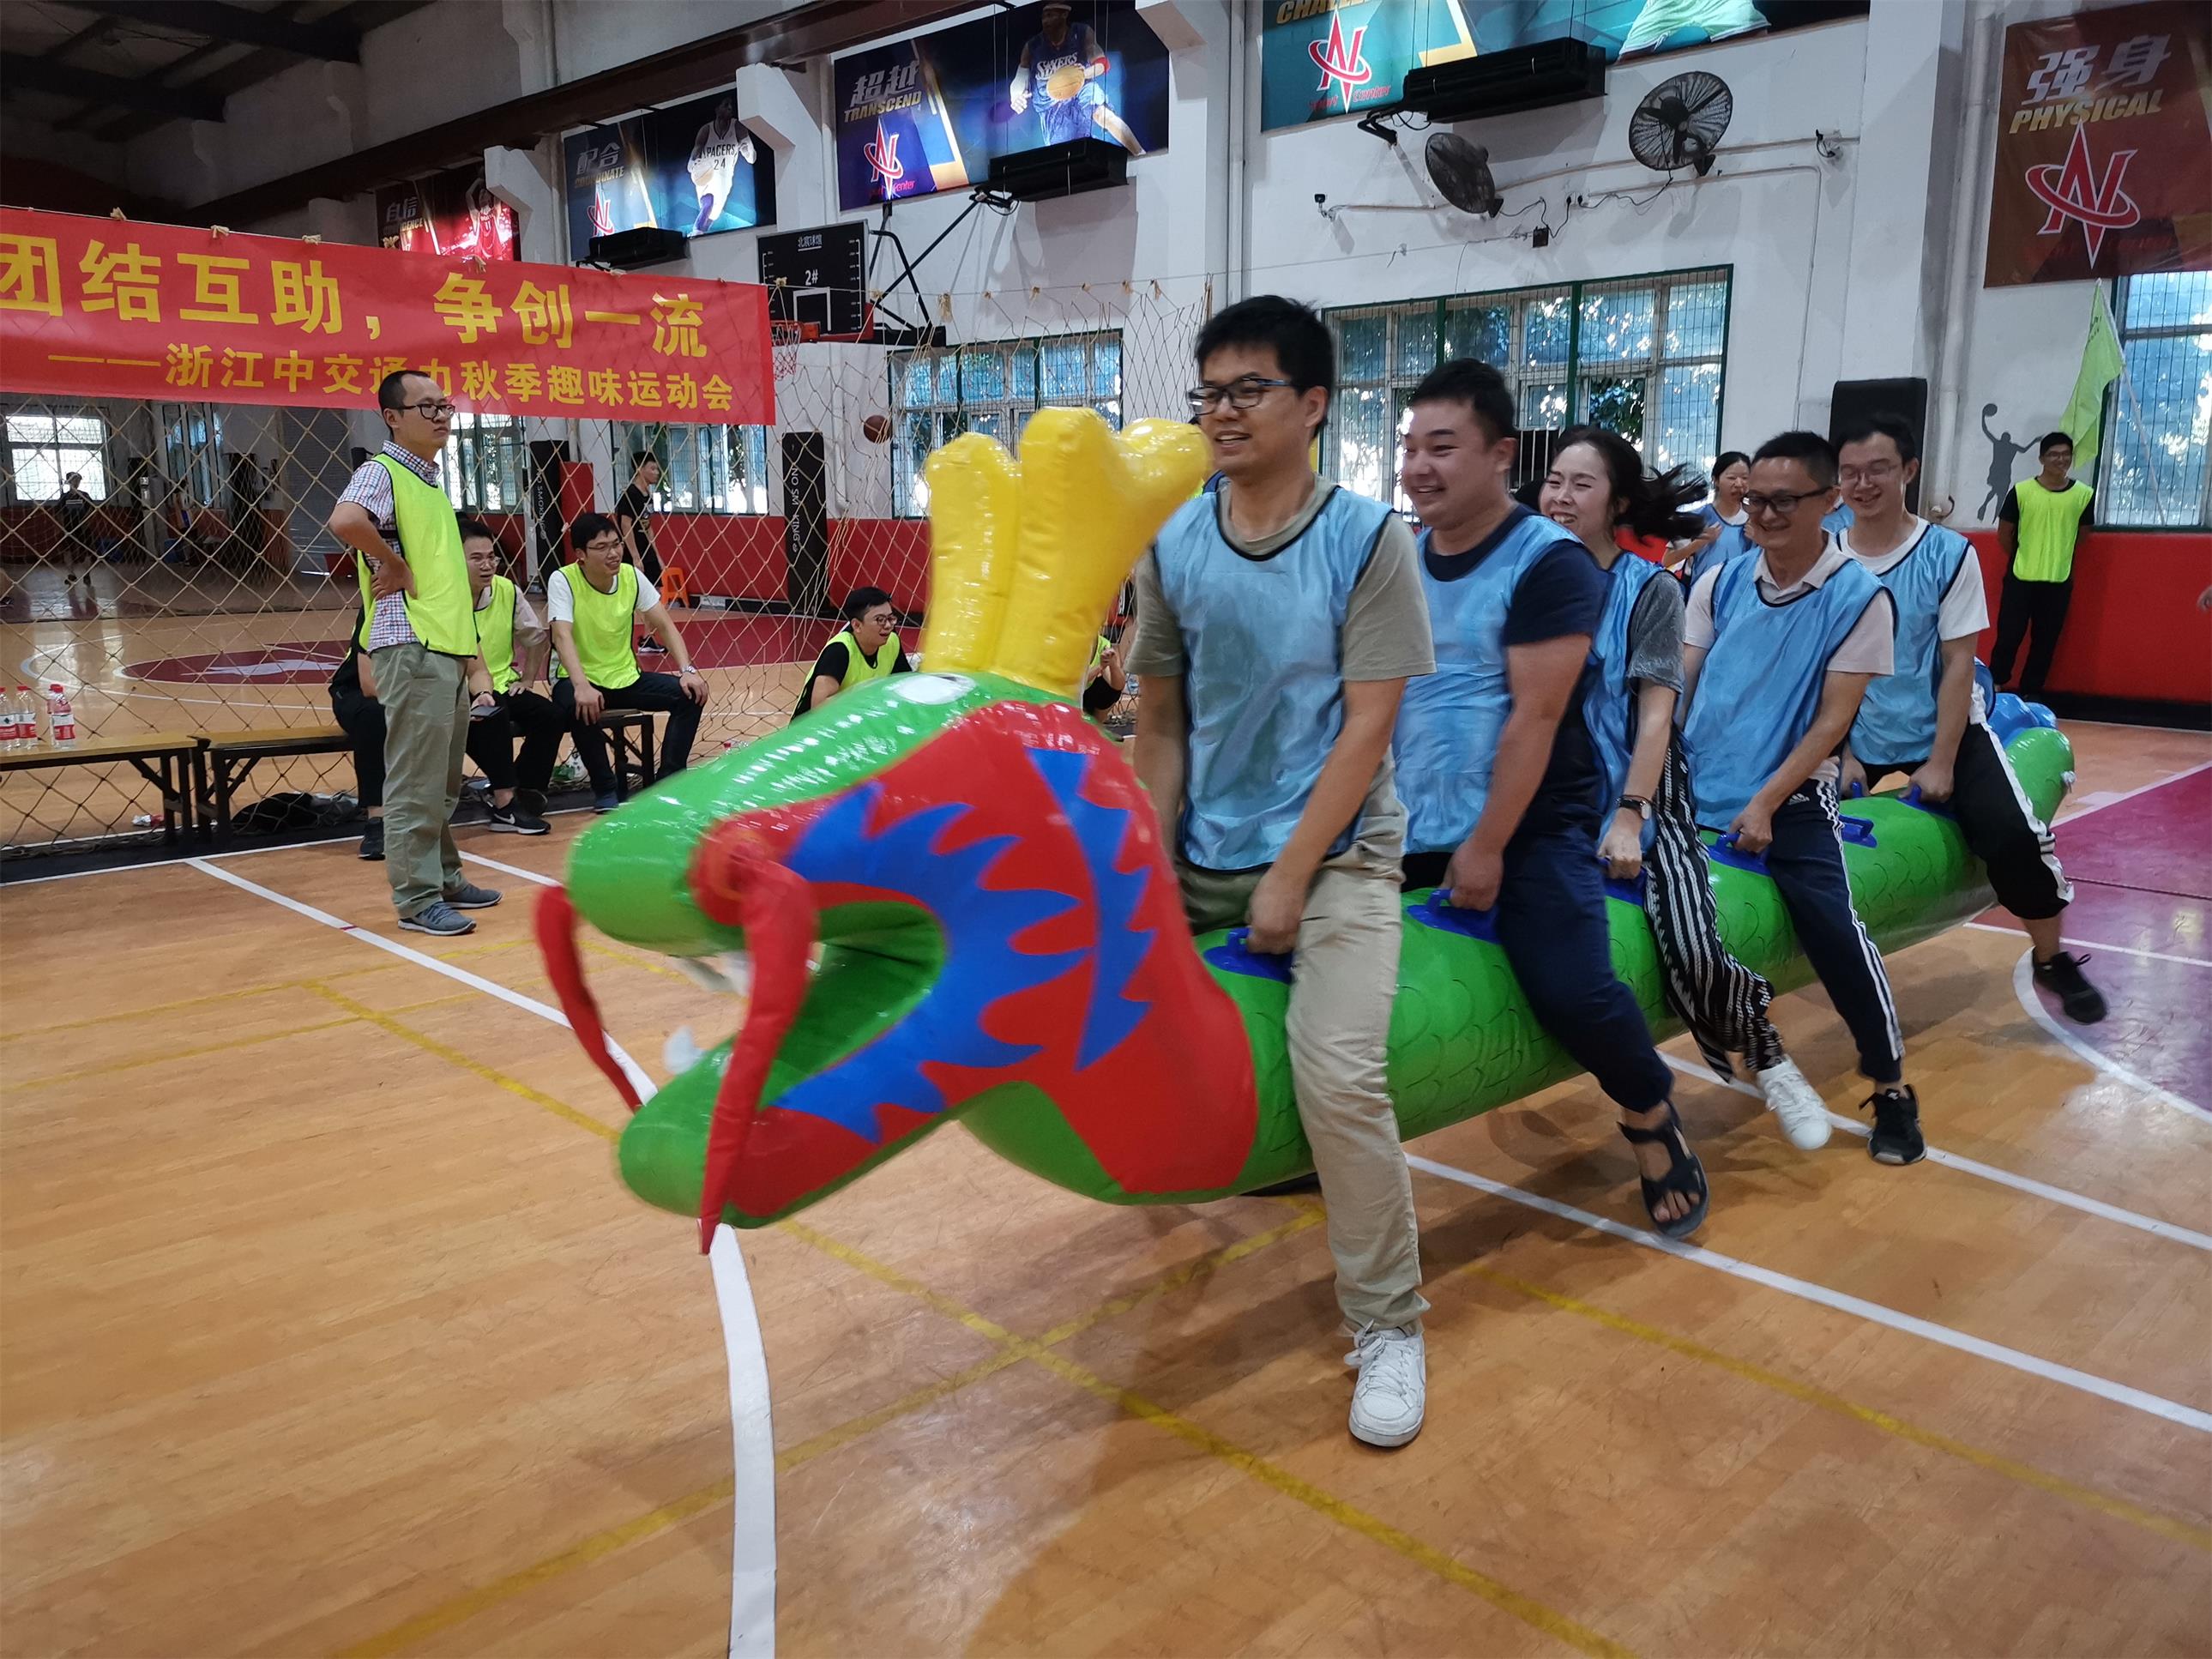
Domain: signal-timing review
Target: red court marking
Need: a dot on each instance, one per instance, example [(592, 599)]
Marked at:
[(2160, 841), (306, 663)]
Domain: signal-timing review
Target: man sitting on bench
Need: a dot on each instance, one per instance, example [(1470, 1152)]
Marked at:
[(510, 656), (595, 606)]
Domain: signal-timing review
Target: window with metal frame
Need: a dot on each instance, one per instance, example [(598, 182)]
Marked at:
[(486, 466), (1644, 357), (42, 449), (992, 389), (703, 469), (192, 450), (2152, 468)]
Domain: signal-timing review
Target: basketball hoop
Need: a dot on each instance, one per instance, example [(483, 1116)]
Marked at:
[(784, 340)]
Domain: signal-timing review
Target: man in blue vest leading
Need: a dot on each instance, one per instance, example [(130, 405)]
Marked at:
[(1778, 649), (1504, 789), (422, 640), (594, 606), (1927, 718), (1277, 621)]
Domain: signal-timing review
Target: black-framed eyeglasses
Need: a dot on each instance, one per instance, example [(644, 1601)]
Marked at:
[(1243, 393), (604, 545), (1781, 505), (431, 409)]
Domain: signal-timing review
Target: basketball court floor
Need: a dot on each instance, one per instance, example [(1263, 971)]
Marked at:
[(330, 1330)]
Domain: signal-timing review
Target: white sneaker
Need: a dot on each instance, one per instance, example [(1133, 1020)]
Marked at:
[(1394, 1385), (1804, 1116)]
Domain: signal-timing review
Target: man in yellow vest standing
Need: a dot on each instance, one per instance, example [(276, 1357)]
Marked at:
[(421, 640), (2039, 526), (595, 606), (865, 648)]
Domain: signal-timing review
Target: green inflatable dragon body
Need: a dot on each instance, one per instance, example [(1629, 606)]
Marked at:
[(952, 900)]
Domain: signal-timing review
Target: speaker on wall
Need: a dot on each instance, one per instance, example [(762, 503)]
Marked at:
[(1853, 401)]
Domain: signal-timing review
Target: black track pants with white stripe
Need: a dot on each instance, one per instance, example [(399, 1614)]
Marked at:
[(2000, 824), (1807, 863), (1722, 1001)]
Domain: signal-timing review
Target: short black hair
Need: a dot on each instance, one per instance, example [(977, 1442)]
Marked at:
[(1809, 449), (476, 530), (72, 478), (862, 600), (1468, 380), (2053, 440), (1895, 428), (1294, 333), (391, 389), (587, 529), (640, 457), (1727, 458)]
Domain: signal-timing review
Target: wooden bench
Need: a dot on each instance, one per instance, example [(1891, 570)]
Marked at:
[(167, 760), (225, 759)]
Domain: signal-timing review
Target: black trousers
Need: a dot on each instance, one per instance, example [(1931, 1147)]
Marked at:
[(491, 741), (362, 719), (658, 693), (2000, 827), (2041, 605), (1806, 860)]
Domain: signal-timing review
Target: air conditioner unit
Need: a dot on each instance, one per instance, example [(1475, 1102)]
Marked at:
[(1081, 164), (1512, 78), (648, 244)]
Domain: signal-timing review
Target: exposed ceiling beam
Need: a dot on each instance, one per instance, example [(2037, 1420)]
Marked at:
[(45, 75), (333, 42), (806, 31)]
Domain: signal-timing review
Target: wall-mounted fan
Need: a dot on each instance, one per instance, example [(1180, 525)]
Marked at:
[(1460, 173), (1679, 122)]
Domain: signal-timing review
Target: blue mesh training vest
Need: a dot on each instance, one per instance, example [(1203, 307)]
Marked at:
[(1610, 709), (1897, 720)]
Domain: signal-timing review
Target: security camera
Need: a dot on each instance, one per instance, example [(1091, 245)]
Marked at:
[(1321, 198)]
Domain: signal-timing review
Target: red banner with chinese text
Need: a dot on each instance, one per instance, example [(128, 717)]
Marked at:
[(114, 308), (2103, 162)]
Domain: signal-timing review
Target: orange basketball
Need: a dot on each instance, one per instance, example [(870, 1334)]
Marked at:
[(1064, 83), (877, 428)]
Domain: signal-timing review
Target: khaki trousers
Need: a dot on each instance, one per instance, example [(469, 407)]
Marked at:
[(1339, 1027), (426, 733)]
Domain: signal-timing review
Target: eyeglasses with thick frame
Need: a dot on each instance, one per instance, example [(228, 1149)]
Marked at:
[(1781, 505), (432, 409), (1243, 393)]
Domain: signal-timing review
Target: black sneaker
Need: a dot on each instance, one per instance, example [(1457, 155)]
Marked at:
[(372, 840), (1896, 1137), (513, 820), (530, 800), (2079, 1000)]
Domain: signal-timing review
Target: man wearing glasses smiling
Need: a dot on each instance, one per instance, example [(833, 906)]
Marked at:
[(1277, 621), (1778, 650), (421, 640)]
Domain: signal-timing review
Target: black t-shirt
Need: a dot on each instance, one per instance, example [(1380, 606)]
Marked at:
[(637, 504), (833, 662), (76, 508), (1563, 592), (346, 681)]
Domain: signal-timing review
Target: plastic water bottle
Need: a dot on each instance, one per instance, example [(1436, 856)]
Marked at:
[(11, 731), (61, 723), (26, 714)]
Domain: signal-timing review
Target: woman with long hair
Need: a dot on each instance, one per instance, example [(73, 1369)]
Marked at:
[(1720, 534), (1597, 485)]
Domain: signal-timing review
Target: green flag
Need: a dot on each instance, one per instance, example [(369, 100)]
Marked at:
[(2084, 419)]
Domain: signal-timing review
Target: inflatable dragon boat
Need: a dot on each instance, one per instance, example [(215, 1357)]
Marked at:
[(944, 896)]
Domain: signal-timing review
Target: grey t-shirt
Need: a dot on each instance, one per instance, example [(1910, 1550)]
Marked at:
[(1385, 634), (1655, 634)]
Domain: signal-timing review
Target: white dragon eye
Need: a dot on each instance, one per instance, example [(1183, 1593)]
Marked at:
[(936, 687)]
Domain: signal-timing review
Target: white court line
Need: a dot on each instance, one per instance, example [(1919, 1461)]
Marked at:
[(752, 1584), (2130, 794), (752, 1564), (2019, 1183), (540, 878), (2120, 1393), (2092, 945), (2023, 986)]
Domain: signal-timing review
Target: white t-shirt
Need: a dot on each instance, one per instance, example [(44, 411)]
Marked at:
[(1965, 610), (1868, 648), (561, 601)]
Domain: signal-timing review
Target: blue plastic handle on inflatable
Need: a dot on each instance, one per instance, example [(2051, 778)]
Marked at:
[(1628, 892), (1728, 850), (1236, 956), (1434, 912), (1858, 831)]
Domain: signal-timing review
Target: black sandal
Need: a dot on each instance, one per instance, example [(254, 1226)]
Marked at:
[(1687, 1177)]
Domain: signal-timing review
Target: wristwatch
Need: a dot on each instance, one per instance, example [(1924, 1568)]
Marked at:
[(1643, 807)]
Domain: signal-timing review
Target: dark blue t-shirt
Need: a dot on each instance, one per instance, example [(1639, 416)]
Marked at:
[(1562, 593)]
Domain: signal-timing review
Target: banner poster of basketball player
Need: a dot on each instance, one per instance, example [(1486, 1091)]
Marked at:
[(929, 114), (2104, 154), (1320, 59), (692, 166), (451, 212)]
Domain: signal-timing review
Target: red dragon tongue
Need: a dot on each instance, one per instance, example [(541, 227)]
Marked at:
[(738, 883), (564, 966)]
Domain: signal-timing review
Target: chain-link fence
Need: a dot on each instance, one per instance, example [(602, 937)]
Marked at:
[(169, 565)]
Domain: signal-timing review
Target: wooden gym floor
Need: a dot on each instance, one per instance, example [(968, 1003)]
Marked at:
[(326, 1328)]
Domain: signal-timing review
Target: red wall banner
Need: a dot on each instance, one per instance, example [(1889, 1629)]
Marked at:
[(2103, 163), (114, 308)]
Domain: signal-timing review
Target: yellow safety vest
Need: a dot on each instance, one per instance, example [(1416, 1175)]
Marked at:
[(604, 627), (496, 636), (2048, 521), (430, 541)]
